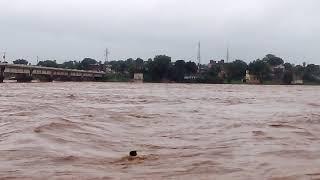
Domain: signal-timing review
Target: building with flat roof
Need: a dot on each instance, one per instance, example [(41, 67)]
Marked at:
[(138, 77)]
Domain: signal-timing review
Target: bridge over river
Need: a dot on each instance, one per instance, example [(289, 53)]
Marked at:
[(27, 73)]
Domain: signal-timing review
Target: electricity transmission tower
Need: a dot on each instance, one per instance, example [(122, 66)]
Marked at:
[(107, 55)]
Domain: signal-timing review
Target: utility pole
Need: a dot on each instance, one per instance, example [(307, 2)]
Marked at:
[(199, 56), (4, 57)]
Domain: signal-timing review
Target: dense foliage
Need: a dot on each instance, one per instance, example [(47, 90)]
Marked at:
[(82, 65), (21, 61)]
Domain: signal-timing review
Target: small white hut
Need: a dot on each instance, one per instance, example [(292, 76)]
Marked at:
[(138, 77)]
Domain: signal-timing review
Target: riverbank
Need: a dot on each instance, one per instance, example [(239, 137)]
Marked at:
[(123, 78)]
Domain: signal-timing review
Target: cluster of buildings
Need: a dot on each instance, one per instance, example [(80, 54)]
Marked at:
[(203, 68), (215, 63), (277, 74), (100, 67)]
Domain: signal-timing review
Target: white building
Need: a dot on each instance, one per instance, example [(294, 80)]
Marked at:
[(138, 77), (251, 79)]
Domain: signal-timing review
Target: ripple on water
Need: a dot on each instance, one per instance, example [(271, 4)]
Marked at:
[(85, 130)]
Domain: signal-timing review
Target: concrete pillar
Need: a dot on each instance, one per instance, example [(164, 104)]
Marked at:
[(45, 78), (2, 74), (23, 78), (82, 77)]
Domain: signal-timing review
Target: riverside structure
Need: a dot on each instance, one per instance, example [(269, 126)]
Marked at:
[(26, 73)]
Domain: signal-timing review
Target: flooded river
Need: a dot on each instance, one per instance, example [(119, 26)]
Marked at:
[(86, 130)]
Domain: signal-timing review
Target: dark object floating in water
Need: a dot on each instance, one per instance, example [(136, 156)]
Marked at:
[(133, 153)]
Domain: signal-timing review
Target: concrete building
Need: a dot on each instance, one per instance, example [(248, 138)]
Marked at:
[(212, 63), (138, 77), (216, 63), (297, 80), (191, 77), (221, 62), (251, 79)]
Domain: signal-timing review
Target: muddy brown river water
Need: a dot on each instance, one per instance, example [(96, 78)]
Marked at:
[(86, 130)]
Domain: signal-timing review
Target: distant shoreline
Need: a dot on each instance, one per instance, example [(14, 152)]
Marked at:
[(193, 83)]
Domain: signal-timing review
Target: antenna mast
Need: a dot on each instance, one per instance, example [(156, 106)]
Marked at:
[(199, 55)]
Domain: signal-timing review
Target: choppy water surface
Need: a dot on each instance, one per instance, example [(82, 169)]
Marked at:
[(86, 130)]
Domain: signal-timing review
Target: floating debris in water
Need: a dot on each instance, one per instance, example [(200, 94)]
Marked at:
[(133, 153)]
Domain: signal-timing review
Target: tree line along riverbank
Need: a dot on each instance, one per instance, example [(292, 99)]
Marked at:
[(269, 70)]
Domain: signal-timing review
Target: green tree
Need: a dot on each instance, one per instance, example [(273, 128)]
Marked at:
[(236, 70), (139, 65), (304, 64), (287, 77), (273, 60), (86, 62), (313, 69), (115, 66), (48, 63), (211, 75), (191, 68), (130, 66), (178, 71), (158, 69), (21, 61), (71, 65), (312, 73), (288, 67), (261, 69), (298, 70)]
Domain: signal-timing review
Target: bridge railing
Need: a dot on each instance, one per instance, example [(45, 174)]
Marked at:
[(19, 66), (29, 70)]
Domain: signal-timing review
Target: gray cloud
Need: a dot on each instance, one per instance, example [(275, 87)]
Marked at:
[(74, 29)]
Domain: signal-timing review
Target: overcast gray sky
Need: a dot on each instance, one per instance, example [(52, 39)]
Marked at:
[(74, 29)]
